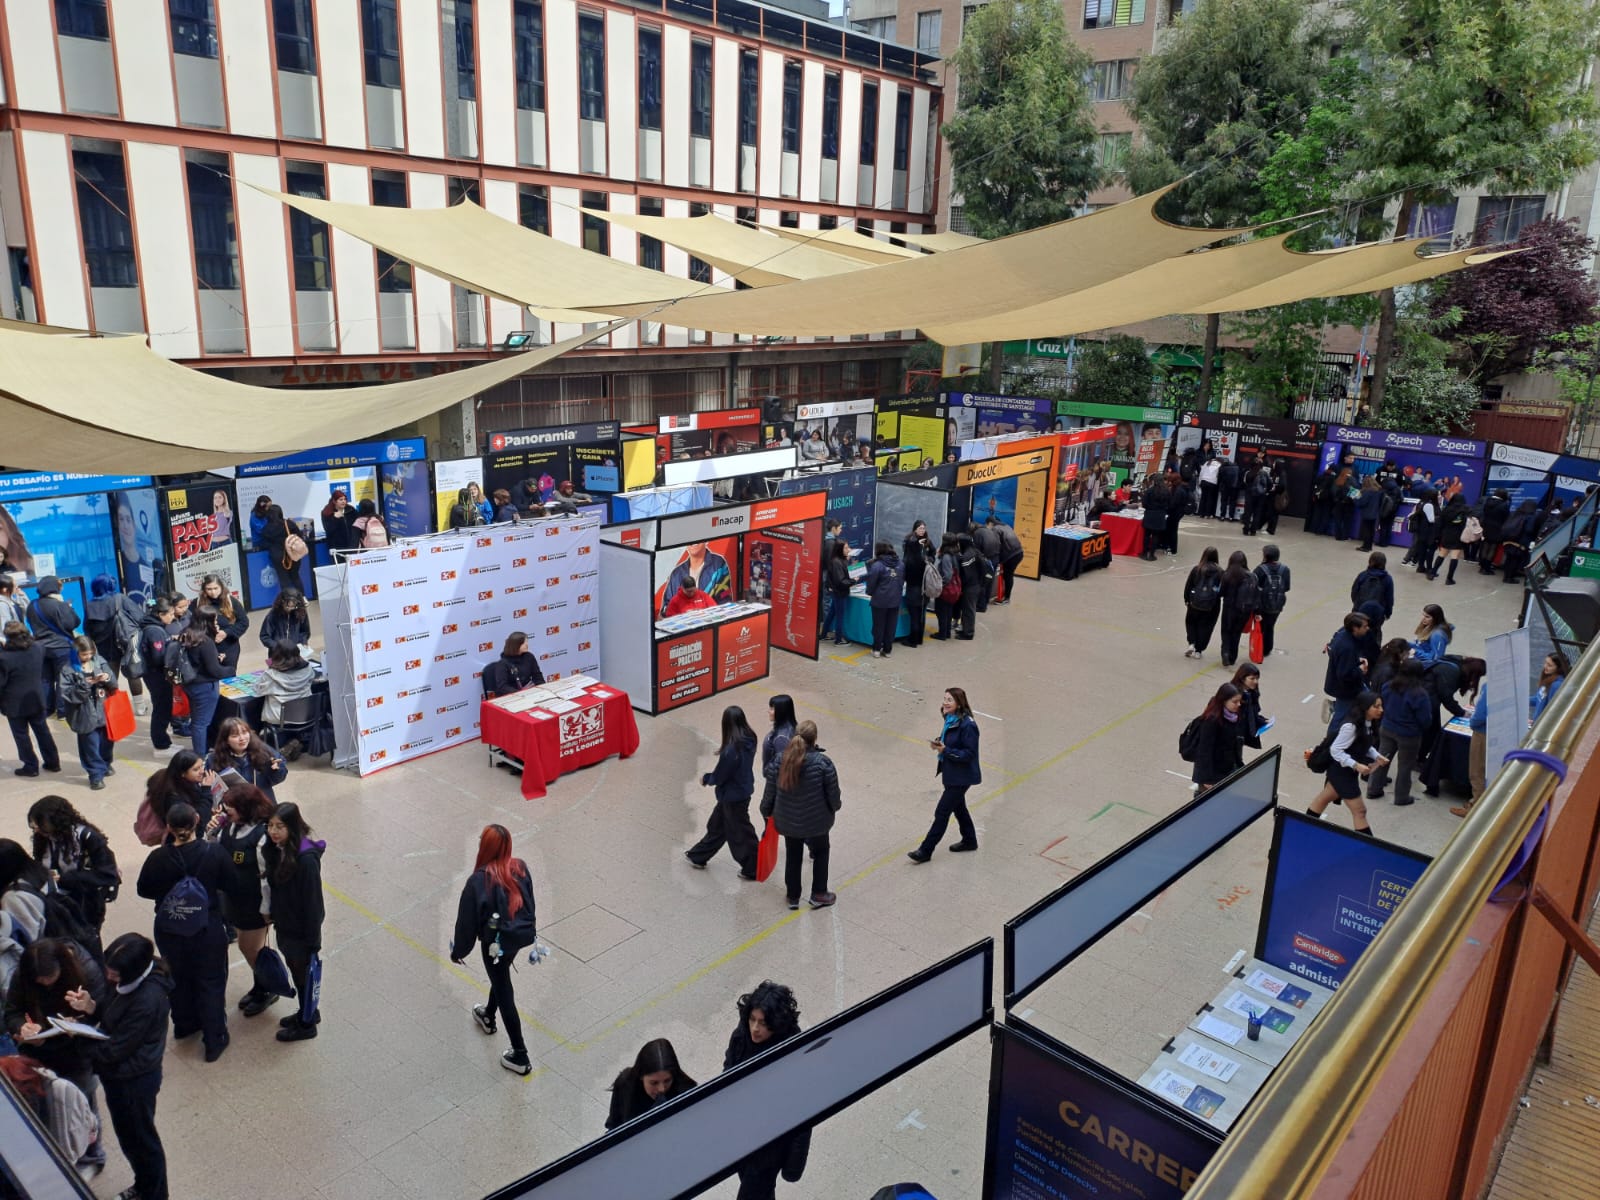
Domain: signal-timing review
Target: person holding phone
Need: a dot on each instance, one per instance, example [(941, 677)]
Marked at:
[(957, 761), (84, 687), (239, 756)]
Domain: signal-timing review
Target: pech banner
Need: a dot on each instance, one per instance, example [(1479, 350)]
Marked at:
[(426, 617)]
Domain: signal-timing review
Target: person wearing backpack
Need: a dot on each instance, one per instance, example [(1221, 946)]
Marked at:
[(154, 635), (53, 621), (1202, 601), (976, 573), (1408, 709), (1351, 750), (113, 620), (83, 688), (23, 884), (496, 913), (1272, 593), (1239, 601), (885, 591), (949, 598), (917, 555), (274, 540), (1424, 525), (370, 529), (185, 879), (76, 855), (291, 865), (1374, 585), (22, 701), (200, 659), (1452, 528), (1215, 740)]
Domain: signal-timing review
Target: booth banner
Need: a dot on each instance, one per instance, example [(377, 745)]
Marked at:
[(852, 496), (974, 415), (1529, 474), (406, 499), (742, 650), (18, 485), (1511, 677), (713, 563), (543, 466), (448, 480), (201, 543), (785, 571), (1239, 438), (1329, 892), (556, 435), (1414, 454), (354, 454), (141, 555), (684, 669), (1400, 443), (302, 496), (426, 617), (720, 431), (597, 469), (844, 426), (1089, 411), (63, 535), (1064, 1128)]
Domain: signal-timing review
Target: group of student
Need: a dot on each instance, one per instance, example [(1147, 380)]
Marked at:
[(473, 508), (1235, 595)]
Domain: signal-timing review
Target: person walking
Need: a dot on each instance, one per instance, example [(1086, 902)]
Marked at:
[(838, 567), (768, 1014), (885, 593), (22, 701), (239, 827), (1352, 756), (780, 715), (957, 761), (83, 688), (1202, 602), (1011, 556), (496, 913), (735, 782), (916, 554), (946, 605), (1408, 709), (291, 866), (185, 878), (1272, 594), (204, 656), (1240, 598), (112, 620), (1263, 487), (654, 1078), (53, 621), (1452, 528), (1433, 634), (1374, 585), (76, 855), (802, 797), (1156, 498), (1346, 675), (1219, 738)]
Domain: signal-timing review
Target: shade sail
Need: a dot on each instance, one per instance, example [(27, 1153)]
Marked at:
[(749, 255), (852, 243), (940, 242), (1425, 268), (113, 405)]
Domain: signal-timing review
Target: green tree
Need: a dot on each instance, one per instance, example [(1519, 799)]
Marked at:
[(1115, 371), (1573, 357), (1466, 93), (1222, 79), (1425, 391)]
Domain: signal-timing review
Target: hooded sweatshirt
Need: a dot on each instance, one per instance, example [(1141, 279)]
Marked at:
[(295, 905), (51, 618), (277, 687)]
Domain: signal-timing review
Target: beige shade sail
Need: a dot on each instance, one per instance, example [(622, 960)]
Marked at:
[(852, 243), (749, 255), (1423, 268), (1320, 273), (66, 402), (939, 242)]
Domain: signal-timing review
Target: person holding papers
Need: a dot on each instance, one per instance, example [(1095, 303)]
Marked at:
[(516, 668), (240, 756)]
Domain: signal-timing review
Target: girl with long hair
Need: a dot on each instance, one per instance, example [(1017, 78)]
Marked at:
[(1218, 750), (231, 620), (291, 867), (1202, 602), (76, 854), (240, 751), (1408, 709), (735, 782), (241, 831), (496, 912), (258, 519), (212, 658), (1394, 652), (768, 1014), (1353, 746), (1552, 674), (838, 575), (338, 520), (286, 620), (957, 762), (275, 540), (780, 712), (1238, 604), (949, 563), (1248, 680), (23, 884), (654, 1077), (184, 780), (1433, 635), (22, 671), (802, 797), (1452, 525)]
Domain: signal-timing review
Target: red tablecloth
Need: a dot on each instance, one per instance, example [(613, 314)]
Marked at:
[(1127, 533), (551, 744)]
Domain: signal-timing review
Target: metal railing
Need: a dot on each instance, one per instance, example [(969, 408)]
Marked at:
[(1290, 1134)]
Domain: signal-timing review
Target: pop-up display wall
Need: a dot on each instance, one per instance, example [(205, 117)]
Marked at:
[(1017, 488), (589, 455)]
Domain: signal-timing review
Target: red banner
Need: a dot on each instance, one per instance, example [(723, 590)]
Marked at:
[(684, 669), (741, 651), (785, 571)]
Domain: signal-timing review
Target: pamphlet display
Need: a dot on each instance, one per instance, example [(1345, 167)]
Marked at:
[(202, 537), (1238, 438), (1442, 458)]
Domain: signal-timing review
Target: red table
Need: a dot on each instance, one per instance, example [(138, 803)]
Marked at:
[(551, 744), (1127, 533)]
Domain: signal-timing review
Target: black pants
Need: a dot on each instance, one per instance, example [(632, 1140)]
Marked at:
[(1152, 541), (1008, 571), (502, 1000), (952, 803), (758, 1182), (199, 966), (729, 824), (55, 661), (1197, 625), (1169, 540), (160, 710), (917, 610), (1230, 501), (796, 849), (1343, 515), (1269, 622), (1269, 517), (288, 577), (883, 623), (39, 726), (132, 1106), (1208, 500), (1369, 530), (1233, 623), (945, 611), (969, 609)]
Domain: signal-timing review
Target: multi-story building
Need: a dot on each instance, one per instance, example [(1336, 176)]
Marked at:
[(134, 134)]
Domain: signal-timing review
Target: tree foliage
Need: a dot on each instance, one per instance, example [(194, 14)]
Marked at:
[(1115, 371), (1023, 141), (1511, 308), (1573, 357), (1425, 391)]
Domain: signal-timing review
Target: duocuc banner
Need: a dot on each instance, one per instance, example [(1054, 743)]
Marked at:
[(426, 617), (1329, 892)]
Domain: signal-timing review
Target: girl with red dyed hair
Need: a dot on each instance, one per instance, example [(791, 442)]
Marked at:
[(496, 912)]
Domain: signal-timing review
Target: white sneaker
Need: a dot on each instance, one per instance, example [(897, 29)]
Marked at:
[(141, 706), (1191, 652), (875, 654)]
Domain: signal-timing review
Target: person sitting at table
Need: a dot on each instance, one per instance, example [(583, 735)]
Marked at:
[(287, 677), (514, 670), (688, 598), (286, 621)]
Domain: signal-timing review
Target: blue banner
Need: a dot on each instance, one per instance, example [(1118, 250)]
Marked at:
[(1530, 474), (23, 485), (67, 536), (407, 499), (1329, 892), (852, 494), (353, 454)]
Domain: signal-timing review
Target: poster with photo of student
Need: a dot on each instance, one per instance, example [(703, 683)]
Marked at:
[(198, 545), (714, 564), (141, 556)]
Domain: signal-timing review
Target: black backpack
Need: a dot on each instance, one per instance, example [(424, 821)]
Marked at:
[(64, 919), (1245, 597), (1370, 590), (177, 664), (1189, 740), (1207, 591), (1269, 582), (1320, 757)]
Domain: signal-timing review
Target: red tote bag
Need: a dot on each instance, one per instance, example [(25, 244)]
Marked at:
[(119, 716), (180, 702), (1257, 644), (767, 852)]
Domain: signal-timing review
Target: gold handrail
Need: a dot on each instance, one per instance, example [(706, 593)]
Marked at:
[(1291, 1132)]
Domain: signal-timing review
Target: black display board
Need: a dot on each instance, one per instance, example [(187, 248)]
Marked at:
[(1294, 443)]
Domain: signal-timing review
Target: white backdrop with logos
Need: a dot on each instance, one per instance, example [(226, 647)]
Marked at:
[(421, 619)]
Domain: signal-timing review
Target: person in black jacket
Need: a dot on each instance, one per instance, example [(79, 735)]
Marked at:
[(885, 593), (802, 797), (1273, 582), (1248, 680), (837, 580), (291, 866), (240, 751), (286, 620), (1228, 490), (1374, 584), (1222, 733), (516, 668), (211, 657), (128, 1062), (197, 953), (496, 913), (240, 829), (654, 1077), (977, 576), (228, 614), (76, 854), (154, 634), (1239, 600), (338, 519), (735, 782), (957, 750), (184, 780), (1179, 497), (1202, 602), (768, 1014), (1517, 535), (274, 540), (916, 554), (22, 700), (53, 622), (780, 712), (1156, 499), (1496, 511), (1347, 669), (1352, 740)]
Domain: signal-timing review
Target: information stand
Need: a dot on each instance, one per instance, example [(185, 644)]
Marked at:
[(852, 497), (589, 455), (1443, 458), (718, 431), (1238, 438), (913, 428), (1018, 488), (1141, 436), (1066, 551), (1077, 452), (974, 415), (833, 432)]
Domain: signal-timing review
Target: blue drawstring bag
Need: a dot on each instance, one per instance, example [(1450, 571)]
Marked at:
[(271, 974), (313, 993)]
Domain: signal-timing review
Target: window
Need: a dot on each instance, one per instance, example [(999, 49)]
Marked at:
[(102, 186), (902, 130), (788, 220), (1103, 14), (591, 67), (211, 217), (380, 39), (1503, 218), (700, 89), (878, 27), (928, 29), (1436, 222), (596, 230), (466, 53), (699, 269), (291, 29), (528, 33), (749, 96), (791, 107), (533, 207), (966, 15), (308, 237), (1112, 80), (869, 123), (827, 221), (830, 117), (194, 27), (650, 249), (649, 78), (389, 191), (84, 19), (1113, 150)]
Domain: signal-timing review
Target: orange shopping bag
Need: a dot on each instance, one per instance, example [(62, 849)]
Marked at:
[(767, 852), (119, 716)]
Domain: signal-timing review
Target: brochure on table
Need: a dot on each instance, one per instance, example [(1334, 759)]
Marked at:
[(1239, 438), (758, 564)]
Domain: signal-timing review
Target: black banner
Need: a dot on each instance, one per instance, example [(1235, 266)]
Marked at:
[(554, 435)]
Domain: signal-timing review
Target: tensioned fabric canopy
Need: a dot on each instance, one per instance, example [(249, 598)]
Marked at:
[(852, 243), (111, 404), (750, 255), (940, 242)]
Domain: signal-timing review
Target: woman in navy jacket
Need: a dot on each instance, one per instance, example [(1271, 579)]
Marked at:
[(1408, 711), (957, 748), (734, 778)]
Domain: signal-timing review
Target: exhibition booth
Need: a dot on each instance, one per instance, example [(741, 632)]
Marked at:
[(837, 431), (588, 454), (910, 431), (852, 495), (1535, 474), (1076, 453), (1440, 460), (756, 569), (1238, 438), (1141, 437), (975, 415), (76, 527)]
